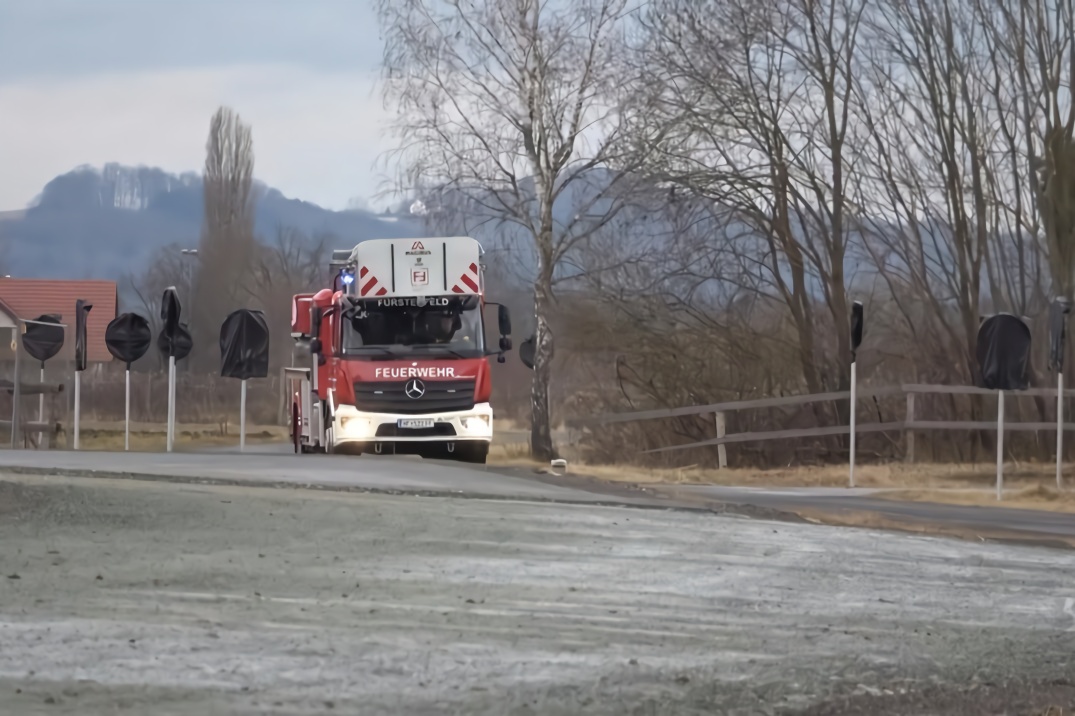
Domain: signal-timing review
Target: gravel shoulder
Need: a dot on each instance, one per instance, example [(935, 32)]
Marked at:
[(120, 594)]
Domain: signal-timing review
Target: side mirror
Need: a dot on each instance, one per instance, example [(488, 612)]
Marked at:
[(504, 318), (505, 343), (315, 346)]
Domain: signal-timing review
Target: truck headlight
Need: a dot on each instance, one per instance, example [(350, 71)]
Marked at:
[(476, 421), (353, 422)]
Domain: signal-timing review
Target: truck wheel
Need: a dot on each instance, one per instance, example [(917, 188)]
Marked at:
[(476, 453)]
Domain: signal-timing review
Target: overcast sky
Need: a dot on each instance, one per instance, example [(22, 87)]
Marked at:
[(136, 81)]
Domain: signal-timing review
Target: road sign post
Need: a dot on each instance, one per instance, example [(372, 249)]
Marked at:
[(856, 341)]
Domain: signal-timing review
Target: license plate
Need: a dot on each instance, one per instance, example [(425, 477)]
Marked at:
[(414, 423)]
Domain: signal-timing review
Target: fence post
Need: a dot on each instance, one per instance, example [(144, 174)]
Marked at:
[(908, 431), (722, 450), (1059, 430)]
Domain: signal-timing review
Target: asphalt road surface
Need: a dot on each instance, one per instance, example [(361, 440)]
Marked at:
[(275, 464), (837, 501), (140, 596)]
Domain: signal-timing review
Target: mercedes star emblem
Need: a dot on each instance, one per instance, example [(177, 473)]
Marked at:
[(414, 389)]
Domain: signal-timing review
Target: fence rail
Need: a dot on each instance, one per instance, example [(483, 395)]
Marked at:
[(907, 426)]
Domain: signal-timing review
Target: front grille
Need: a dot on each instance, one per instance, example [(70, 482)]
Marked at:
[(441, 396), (394, 431)]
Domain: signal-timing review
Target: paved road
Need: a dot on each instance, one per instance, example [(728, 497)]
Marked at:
[(138, 596), (267, 464), (270, 464), (845, 501)]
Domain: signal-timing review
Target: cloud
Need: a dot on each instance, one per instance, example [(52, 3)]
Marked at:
[(316, 133), (65, 38)]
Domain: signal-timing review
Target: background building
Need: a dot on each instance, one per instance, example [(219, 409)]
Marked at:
[(28, 298)]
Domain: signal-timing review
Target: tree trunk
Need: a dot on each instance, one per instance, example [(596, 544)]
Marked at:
[(541, 447)]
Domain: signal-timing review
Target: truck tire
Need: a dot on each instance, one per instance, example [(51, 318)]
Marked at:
[(476, 452)]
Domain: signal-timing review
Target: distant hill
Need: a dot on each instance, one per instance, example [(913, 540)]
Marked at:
[(104, 223), (107, 222)]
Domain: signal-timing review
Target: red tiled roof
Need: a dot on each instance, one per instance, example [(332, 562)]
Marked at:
[(29, 298)]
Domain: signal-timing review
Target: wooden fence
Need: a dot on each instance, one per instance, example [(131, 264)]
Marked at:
[(907, 427), (45, 409)]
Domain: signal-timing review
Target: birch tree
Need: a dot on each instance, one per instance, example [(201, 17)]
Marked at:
[(518, 105)]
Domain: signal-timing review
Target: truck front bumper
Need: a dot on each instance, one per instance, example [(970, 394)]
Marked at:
[(352, 426)]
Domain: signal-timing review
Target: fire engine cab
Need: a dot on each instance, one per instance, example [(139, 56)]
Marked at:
[(396, 354)]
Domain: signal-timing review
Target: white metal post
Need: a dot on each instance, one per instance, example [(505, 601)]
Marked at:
[(127, 414), (1000, 444), (171, 402), (78, 403), (41, 399), (174, 389), (168, 410), (1059, 429), (16, 395), (854, 395), (242, 418)]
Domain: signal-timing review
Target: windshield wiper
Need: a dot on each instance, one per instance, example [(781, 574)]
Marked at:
[(445, 349), (384, 349)]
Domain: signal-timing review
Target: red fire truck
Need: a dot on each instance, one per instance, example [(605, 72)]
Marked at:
[(395, 353)]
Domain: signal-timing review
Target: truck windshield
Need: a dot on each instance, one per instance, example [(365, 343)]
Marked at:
[(395, 327)]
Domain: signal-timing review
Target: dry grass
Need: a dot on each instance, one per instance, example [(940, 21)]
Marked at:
[(919, 477), (231, 428), (1027, 485), (510, 445), (1034, 485), (511, 455), (152, 437)]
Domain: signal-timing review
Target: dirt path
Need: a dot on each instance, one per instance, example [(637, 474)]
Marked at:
[(130, 596)]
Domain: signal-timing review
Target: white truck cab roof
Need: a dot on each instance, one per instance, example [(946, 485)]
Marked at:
[(448, 265)]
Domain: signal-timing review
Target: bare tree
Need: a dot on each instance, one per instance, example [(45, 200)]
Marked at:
[(930, 63), (518, 105), (292, 263), (1036, 44), (227, 245), (168, 266), (760, 100)]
